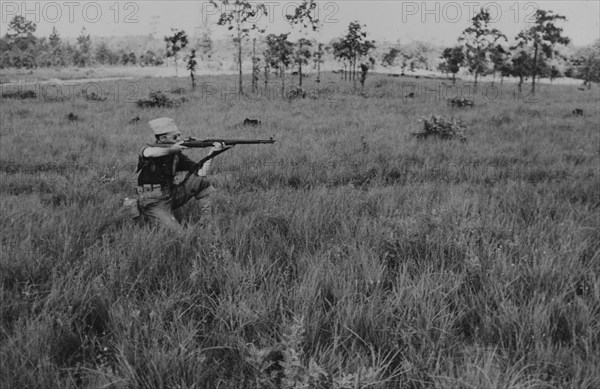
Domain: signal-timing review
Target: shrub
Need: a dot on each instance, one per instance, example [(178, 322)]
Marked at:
[(460, 102), (93, 96), (296, 93), (442, 128), (177, 91), (25, 94), (160, 99)]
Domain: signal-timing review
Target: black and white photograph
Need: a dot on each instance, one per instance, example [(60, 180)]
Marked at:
[(306, 194)]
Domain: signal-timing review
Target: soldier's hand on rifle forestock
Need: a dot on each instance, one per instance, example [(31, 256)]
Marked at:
[(218, 146)]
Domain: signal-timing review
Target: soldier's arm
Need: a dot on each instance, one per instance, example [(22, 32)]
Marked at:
[(153, 152)]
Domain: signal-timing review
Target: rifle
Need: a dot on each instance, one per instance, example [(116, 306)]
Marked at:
[(196, 143), (193, 142)]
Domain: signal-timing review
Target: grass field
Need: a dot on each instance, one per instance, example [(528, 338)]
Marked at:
[(347, 255)]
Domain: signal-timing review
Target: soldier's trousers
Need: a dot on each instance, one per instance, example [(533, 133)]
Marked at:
[(158, 203)]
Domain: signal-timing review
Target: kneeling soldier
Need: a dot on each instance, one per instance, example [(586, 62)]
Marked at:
[(158, 194)]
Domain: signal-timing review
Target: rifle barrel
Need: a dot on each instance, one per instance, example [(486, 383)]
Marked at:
[(241, 141), (227, 142)]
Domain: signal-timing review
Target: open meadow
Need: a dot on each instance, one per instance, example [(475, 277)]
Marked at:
[(349, 254)]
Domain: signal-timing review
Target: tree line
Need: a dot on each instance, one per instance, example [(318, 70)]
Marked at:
[(20, 48), (480, 49), (483, 50), (279, 53)]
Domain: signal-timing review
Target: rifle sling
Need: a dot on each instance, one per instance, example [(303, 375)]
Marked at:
[(198, 165)]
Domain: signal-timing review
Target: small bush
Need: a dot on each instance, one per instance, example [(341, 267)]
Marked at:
[(160, 99), (442, 128), (25, 94), (460, 102), (177, 91), (93, 96), (72, 117), (296, 93)]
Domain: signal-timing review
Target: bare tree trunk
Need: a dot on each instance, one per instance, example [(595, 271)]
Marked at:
[(520, 84), (281, 73), (350, 69), (266, 76), (254, 65), (300, 66), (354, 71), (240, 58), (319, 69), (533, 74)]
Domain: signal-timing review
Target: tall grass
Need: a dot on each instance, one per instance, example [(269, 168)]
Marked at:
[(346, 255)]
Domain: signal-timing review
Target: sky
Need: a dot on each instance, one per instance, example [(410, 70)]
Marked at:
[(438, 22)]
